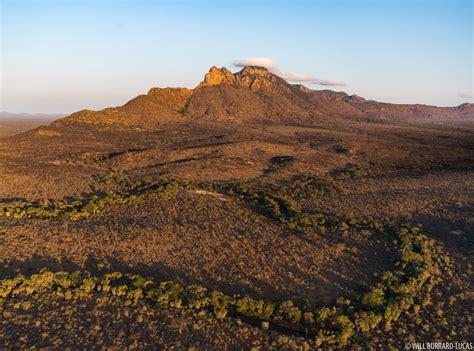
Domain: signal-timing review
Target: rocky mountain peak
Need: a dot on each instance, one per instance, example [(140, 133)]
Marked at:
[(249, 77), (217, 76), (254, 71)]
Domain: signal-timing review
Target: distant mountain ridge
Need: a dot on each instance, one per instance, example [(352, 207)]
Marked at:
[(256, 95), (28, 116), (396, 112)]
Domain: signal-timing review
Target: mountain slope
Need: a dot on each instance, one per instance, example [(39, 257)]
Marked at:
[(159, 105)]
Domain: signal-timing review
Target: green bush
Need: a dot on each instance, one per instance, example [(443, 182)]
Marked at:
[(287, 311), (374, 298)]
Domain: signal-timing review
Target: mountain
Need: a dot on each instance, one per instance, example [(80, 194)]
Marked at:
[(254, 94)]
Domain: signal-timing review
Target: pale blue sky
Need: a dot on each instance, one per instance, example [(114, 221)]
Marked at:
[(63, 56)]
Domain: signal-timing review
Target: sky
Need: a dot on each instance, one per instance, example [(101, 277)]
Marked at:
[(64, 56)]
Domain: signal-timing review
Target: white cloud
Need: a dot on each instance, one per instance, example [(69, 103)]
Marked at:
[(329, 82), (256, 61), (465, 96), (295, 77), (289, 76)]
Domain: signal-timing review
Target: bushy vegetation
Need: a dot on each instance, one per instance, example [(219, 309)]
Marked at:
[(357, 171), (111, 178), (403, 290), (94, 205), (281, 204), (308, 186)]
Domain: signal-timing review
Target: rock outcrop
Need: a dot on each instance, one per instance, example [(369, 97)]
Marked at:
[(252, 77), (217, 76)]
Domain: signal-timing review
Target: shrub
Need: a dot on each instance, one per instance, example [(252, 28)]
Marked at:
[(374, 298), (287, 311), (249, 307)]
